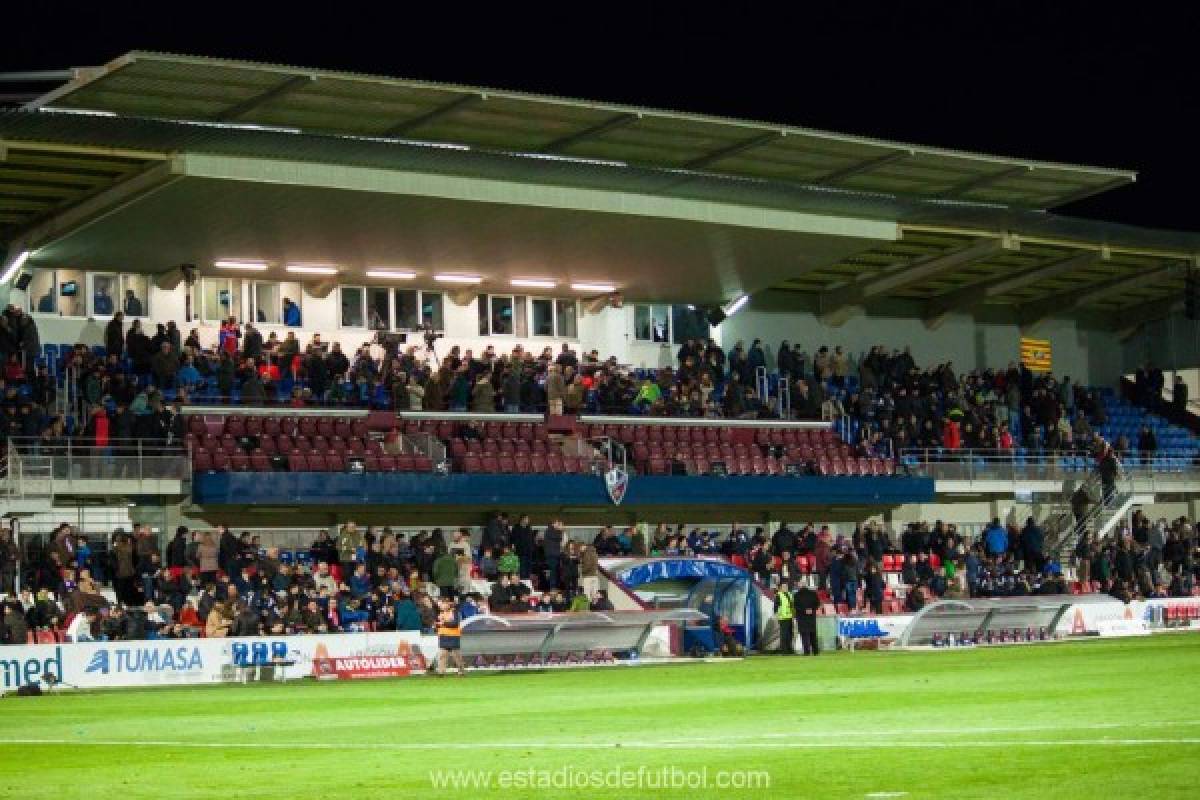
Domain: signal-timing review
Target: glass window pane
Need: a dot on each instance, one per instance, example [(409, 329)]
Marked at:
[(431, 310), (220, 299), (502, 315), (542, 311), (379, 315), (481, 302), (406, 309), (268, 308), (104, 292), (660, 320), (689, 323), (567, 323), (352, 307), (641, 323), (43, 292), (135, 295), (290, 304), (520, 318), (72, 297)]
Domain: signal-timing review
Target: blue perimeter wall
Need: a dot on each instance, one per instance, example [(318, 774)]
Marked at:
[(324, 488)]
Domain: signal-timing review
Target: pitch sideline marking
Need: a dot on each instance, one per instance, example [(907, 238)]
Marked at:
[(713, 744)]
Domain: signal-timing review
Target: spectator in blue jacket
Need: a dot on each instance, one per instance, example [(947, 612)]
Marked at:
[(360, 581), (291, 313), (995, 538)]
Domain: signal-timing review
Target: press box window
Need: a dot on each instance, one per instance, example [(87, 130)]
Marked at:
[(652, 323), (271, 300), (352, 306), (220, 299), (135, 295), (105, 294)]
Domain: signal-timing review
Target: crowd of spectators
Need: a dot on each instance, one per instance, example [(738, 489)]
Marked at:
[(217, 583), (888, 402)]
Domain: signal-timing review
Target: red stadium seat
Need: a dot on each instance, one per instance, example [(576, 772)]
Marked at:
[(260, 461)]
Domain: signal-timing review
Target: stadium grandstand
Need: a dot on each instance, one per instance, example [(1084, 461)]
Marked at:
[(305, 367)]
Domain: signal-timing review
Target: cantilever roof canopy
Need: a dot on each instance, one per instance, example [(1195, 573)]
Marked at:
[(165, 86), (155, 160)]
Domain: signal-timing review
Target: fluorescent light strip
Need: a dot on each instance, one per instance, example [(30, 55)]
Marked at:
[(593, 287), (234, 263), (312, 269), (391, 274), (534, 283), (86, 112), (447, 278), (17, 263), (736, 305)]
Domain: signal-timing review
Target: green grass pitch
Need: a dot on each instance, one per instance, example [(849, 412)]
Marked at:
[(1110, 719)]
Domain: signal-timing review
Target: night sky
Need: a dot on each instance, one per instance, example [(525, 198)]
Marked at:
[(1075, 83)]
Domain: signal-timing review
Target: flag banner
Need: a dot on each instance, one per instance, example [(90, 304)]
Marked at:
[(1035, 354)]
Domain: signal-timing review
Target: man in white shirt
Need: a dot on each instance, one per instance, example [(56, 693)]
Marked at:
[(80, 629)]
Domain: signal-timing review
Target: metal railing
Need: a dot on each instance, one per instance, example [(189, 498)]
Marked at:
[(1045, 465), (34, 461), (426, 444)]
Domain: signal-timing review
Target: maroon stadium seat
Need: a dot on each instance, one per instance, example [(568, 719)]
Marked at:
[(260, 461), (489, 463), (239, 461)]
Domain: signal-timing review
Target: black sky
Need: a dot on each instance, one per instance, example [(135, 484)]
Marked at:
[(1074, 82)]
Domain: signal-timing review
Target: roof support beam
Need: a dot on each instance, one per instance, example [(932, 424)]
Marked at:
[(1088, 191), (610, 124), (131, 189), (430, 116), (1133, 320), (251, 103), (985, 180), (733, 150), (838, 305), (1033, 314), (839, 175), (976, 294)]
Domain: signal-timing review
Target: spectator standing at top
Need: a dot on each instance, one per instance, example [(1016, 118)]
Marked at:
[(995, 538), (114, 335), (1179, 395), (349, 540)]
